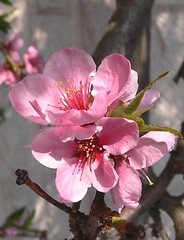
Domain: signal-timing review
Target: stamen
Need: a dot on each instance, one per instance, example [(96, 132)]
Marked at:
[(146, 176), (72, 97), (88, 150)]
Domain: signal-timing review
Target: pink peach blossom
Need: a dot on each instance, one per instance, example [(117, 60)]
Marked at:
[(84, 163), (33, 61), (71, 91), (7, 77), (150, 148)]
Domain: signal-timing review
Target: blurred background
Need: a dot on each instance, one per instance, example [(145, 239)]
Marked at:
[(81, 23)]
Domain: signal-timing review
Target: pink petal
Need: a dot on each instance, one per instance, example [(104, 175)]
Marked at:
[(34, 87), (151, 148), (48, 149), (16, 42), (72, 132), (72, 181), (149, 99), (132, 87), (7, 77), (104, 176), (127, 191), (14, 45), (33, 61), (81, 117), (112, 77), (70, 66), (118, 135)]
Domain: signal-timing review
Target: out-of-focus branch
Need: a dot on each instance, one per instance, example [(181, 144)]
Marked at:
[(180, 74), (124, 29), (174, 206), (158, 228), (129, 33)]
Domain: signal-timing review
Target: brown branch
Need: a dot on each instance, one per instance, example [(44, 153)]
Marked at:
[(175, 208), (128, 33), (124, 28), (158, 228), (23, 178), (180, 73)]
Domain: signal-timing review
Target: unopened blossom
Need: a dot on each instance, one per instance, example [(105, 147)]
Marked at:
[(130, 166), (149, 99), (81, 163), (33, 60), (70, 90)]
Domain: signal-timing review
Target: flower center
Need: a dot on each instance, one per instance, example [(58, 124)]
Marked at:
[(88, 150), (73, 97)]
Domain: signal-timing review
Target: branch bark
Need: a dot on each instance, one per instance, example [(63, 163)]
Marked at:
[(174, 206), (124, 29)]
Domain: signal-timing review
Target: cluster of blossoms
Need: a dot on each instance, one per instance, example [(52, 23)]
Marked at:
[(91, 140), (14, 69)]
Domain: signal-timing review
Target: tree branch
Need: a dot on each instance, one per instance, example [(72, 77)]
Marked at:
[(124, 29)]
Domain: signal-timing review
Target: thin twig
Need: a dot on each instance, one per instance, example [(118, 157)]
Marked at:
[(23, 178)]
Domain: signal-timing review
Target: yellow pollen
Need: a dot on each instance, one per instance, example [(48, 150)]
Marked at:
[(146, 176), (149, 180)]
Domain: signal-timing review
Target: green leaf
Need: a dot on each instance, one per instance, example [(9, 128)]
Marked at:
[(132, 107), (118, 111), (143, 127), (140, 122), (4, 25), (15, 216), (28, 221), (6, 2), (148, 128)]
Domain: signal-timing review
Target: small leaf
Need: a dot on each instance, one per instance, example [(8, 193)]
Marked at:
[(28, 221), (6, 2), (132, 107), (15, 216), (148, 128), (140, 112), (118, 111), (140, 122), (4, 25)]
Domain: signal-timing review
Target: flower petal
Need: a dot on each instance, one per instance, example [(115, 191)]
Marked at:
[(72, 132), (149, 99), (112, 77), (127, 191), (118, 135), (34, 87), (81, 117), (48, 149), (151, 148), (72, 180), (132, 87), (104, 176), (70, 66)]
